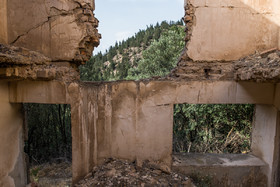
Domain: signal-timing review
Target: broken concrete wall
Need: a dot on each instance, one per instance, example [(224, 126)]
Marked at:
[(228, 30), (20, 171), (265, 140), (12, 172), (134, 120), (3, 21), (84, 116), (259, 67), (63, 30), (17, 63)]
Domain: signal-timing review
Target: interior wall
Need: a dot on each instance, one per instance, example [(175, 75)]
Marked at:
[(3, 22), (59, 29), (232, 29), (10, 138), (279, 38), (265, 140), (134, 120)]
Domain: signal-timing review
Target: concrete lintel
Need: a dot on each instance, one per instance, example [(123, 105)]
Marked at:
[(162, 92), (208, 92), (45, 92)]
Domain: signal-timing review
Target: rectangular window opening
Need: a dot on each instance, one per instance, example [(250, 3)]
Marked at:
[(212, 128), (48, 144)]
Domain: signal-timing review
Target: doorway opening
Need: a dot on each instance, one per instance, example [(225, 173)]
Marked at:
[(48, 144), (212, 128)]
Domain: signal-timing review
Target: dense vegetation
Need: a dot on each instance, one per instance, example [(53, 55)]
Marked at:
[(151, 52), (212, 128), (49, 132)]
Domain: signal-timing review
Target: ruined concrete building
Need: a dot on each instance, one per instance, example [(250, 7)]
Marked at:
[(231, 56)]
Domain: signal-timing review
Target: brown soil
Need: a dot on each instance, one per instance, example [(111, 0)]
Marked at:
[(51, 175), (124, 173), (112, 173)]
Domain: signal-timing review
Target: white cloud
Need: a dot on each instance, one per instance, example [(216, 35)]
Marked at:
[(123, 35)]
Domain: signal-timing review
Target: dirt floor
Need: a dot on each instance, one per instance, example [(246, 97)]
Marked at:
[(112, 173), (124, 173), (51, 175)]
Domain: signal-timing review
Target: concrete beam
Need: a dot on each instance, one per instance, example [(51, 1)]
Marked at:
[(44, 92), (207, 92), (11, 171)]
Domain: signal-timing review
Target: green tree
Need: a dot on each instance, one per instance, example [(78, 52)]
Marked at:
[(161, 56), (49, 132), (213, 128)]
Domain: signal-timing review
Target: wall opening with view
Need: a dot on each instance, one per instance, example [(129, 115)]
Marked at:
[(212, 128), (48, 144), (137, 46)]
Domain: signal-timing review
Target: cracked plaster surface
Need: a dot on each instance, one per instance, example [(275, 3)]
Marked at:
[(231, 30), (64, 30)]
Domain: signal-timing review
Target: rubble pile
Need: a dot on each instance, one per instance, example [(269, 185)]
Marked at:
[(124, 173), (260, 67)]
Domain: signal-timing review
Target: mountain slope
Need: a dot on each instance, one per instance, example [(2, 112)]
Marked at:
[(123, 61)]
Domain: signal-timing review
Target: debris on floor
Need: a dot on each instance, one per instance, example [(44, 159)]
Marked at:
[(124, 173), (51, 175)]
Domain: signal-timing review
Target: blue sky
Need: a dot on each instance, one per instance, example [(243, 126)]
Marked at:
[(120, 19)]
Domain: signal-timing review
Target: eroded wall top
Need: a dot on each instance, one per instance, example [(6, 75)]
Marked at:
[(231, 29), (63, 30)]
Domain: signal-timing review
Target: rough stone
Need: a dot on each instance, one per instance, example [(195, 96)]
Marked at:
[(190, 70), (12, 55), (260, 67), (17, 63)]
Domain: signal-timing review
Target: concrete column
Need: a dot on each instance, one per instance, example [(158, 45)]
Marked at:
[(265, 140), (3, 22), (12, 172), (83, 120), (279, 38)]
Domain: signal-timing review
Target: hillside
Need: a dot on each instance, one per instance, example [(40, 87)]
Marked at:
[(122, 60)]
